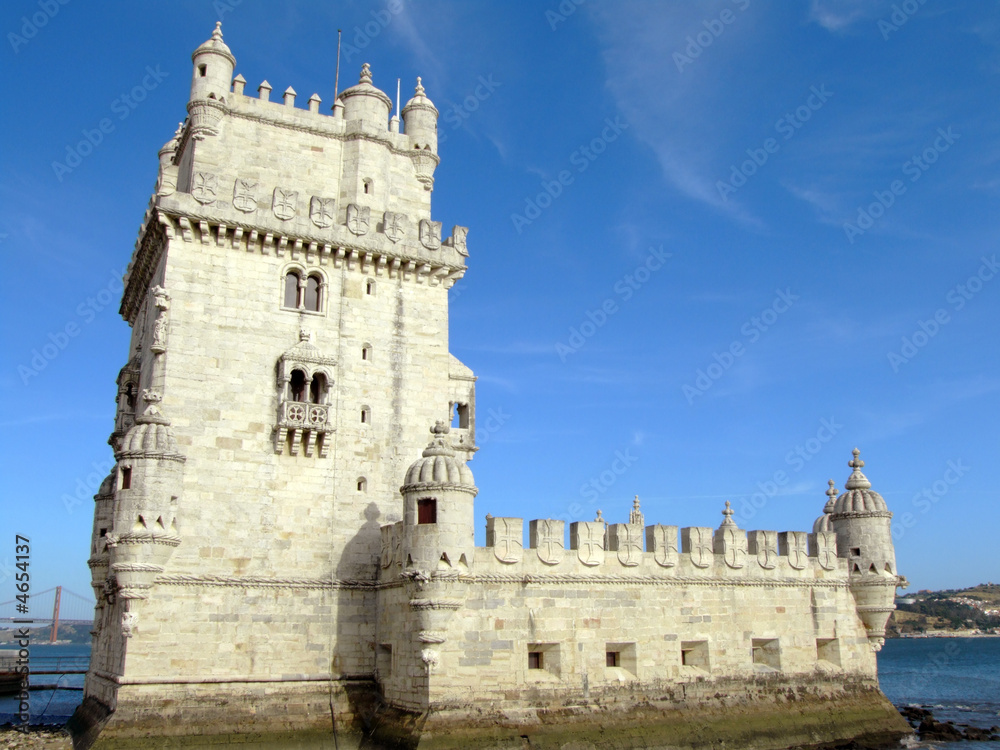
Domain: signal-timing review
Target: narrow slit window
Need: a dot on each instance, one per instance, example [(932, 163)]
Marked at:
[(291, 290), (202, 70), (369, 287), (312, 294), (126, 478), (362, 484)]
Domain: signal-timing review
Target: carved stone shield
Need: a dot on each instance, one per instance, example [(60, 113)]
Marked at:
[(662, 542), (245, 195), (358, 218), (394, 226), (547, 540), (430, 234), (505, 536), (386, 558), (321, 211), (732, 543), (697, 541), (283, 203), (458, 235), (587, 538), (792, 544), (823, 546), (764, 544), (204, 186), (626, 540)]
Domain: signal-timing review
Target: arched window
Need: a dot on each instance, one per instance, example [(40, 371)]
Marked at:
[(369, 187), (370, 286), (130, 395), (366, 415), (312, 293), (291, 290), (362, 484), (317, 389), (297, 385), (366, 352)]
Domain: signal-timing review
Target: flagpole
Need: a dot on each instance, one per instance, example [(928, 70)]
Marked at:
[(336, 83)]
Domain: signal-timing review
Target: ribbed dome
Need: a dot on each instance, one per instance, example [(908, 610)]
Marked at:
[(149, 437), (216, 45), (859, 498), (107, 488), (823, 523), (364, 87), (439, 464), (420, 100)]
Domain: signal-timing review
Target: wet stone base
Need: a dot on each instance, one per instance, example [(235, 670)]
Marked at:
[(860, 719)]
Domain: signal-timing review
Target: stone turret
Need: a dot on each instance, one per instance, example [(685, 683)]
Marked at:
[(420, 124), (438, 524), (862, 521), (365, 103), (150, 477), (211, 80)]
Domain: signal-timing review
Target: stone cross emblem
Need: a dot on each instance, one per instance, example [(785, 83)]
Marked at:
[(458, 235), (628, 543), (204, 186), (283, 203), (734, 547), (548, 541), (793, 545), (699, 545), (826, 549), (245, 195), (358, 219), (430, 234), (765, 547), (590, 542), (662, 542), (394, 226), (504, 535), (321, 211)]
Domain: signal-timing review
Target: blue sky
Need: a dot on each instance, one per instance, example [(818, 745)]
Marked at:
[(714, 247)]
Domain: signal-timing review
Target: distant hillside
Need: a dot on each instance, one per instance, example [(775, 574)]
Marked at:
[(975, 609), (40, 635)]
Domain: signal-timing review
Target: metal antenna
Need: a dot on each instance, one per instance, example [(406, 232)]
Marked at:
[(336, 83), (397, 98)]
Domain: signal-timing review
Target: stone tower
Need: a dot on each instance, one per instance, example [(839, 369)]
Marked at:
[(288, 299)]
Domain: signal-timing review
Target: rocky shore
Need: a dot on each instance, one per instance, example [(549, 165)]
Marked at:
[(36, 738), (931, 730)]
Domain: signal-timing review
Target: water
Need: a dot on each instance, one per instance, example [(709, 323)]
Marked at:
[(50, 706), (958, 679)]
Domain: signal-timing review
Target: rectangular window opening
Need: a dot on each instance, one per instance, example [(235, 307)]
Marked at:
[(856, 551), (695, 654), (612, 658), (766, 653), (535, 660), (828, 651), (543, 661), (202, 70), (126, 478), (427, 511)]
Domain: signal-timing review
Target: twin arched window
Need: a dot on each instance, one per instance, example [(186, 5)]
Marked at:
[(303, 293), (301, 389)]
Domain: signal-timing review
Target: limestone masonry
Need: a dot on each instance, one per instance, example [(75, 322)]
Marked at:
[(285, 545)]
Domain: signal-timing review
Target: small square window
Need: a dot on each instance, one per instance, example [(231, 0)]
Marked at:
[(535, 660), (202, 70), (856, 551), (766, 654), (613, 658), (695, 654)]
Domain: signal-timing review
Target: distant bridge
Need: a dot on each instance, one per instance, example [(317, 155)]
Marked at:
[(55, 606)]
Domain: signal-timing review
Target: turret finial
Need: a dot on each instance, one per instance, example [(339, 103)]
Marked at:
[(831, 493), (600, 518), (728, 513), (636, 516), (217, 34), (366, 74), (857, 480), (420, 87)]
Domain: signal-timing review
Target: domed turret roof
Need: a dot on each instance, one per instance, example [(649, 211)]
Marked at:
[(364, 87), (216, 45), (419, 99), (107, 488), (439, 465), (823, 523), (151, 435), (859, 498)]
